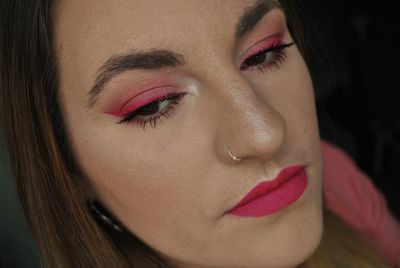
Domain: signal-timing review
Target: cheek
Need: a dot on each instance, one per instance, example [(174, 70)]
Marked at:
[(154, 190), (123, 174), (298, 90), (288, 89), (145, 185)]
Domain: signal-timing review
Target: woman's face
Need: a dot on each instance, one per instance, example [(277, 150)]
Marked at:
[(163, 169)]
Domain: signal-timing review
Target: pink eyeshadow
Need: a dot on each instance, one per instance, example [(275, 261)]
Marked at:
[(262, 45), (131, 98), (129, 108)]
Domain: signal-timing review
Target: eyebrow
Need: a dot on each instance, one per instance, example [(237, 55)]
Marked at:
[(157, 59)]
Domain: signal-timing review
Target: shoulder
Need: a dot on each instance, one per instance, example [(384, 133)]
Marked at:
[(350, 194)]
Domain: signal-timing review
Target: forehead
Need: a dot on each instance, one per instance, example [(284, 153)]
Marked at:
[(88, 32), (138, 23)]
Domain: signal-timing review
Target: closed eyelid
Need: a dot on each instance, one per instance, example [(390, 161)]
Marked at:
[(152, 118), (261, 45), (141, 99)]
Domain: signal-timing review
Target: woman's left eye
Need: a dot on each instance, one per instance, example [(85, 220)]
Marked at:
[(153, 111), (266, 59)]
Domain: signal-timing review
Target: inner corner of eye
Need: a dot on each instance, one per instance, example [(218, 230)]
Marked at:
[(243, 66)]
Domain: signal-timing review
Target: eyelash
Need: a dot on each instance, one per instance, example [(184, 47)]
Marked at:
[(278, 57), (174, 99)]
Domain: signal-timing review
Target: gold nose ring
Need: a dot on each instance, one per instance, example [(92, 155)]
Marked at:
[(232, 155)]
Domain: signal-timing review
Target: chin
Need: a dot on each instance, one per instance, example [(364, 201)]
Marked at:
[(291, 238), (294, 241), (285, 241)]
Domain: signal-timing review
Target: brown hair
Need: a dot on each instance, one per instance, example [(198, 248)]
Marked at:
[(43, 166)]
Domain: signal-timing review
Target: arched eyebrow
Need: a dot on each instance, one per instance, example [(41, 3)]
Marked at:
[(150, 60), (253, 15), (156, 59)]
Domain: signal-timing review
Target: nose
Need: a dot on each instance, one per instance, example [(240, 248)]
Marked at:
[(249, 125)]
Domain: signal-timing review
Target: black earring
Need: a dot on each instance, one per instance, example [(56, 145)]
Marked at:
[(104, 216)]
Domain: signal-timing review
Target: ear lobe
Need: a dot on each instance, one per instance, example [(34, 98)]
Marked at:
[(104, 217)]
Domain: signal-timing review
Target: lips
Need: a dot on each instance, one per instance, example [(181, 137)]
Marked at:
[(270, 196)]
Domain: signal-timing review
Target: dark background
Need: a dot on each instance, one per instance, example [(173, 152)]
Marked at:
[(353, 55)]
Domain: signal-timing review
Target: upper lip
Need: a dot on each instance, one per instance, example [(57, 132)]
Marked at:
[(268, 186)]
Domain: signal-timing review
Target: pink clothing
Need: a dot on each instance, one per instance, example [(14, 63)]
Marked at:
[(350, 194)]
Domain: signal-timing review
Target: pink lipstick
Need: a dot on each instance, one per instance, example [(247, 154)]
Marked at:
[(270, 196)]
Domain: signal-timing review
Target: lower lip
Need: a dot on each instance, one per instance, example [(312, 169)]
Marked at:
[(271, 202)]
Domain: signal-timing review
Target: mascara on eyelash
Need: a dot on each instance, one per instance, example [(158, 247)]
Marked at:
[(279, 49), (131, 116), (274, 48)]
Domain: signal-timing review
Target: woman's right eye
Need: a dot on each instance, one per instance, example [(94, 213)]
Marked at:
[(154, 111)]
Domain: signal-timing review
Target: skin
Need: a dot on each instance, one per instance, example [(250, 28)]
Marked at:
[(170, 185)]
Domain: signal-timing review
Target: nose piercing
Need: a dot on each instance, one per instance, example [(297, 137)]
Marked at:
[(233, 156)]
